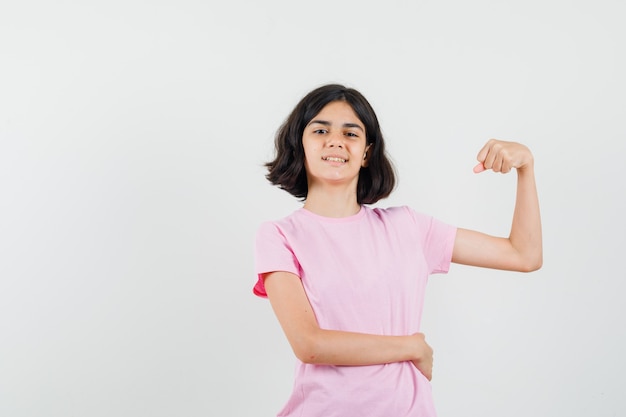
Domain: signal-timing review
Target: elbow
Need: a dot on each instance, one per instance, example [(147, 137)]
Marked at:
[(533, 264), (306, 356), (531, 267), (307, 349)]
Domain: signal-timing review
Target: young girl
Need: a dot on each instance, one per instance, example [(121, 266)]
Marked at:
[(347, 281)]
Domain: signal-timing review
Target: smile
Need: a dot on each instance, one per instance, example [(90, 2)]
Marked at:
[(334, 159)]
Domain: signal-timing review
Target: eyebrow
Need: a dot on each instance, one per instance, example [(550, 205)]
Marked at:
[(327, 123)]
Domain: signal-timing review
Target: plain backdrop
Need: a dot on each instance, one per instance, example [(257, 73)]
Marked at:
[(132, 141)]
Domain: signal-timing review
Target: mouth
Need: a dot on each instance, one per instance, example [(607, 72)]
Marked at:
[(334, 159)]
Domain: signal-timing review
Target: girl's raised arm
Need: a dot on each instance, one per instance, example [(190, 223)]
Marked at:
[(522, 250)]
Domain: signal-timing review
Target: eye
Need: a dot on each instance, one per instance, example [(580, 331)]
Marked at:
[(351, 135), (320, 131)]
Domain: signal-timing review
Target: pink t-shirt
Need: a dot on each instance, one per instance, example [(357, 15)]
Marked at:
[(364, 273)]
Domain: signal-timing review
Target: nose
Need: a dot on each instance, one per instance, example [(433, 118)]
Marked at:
[(335, 140)]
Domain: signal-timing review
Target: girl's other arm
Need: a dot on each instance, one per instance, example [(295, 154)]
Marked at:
[(314, 345)]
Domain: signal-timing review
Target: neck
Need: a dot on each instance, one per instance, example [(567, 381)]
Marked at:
[(336, 202)]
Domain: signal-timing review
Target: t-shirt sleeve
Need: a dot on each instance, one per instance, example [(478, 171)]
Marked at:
[(437, 241), (272, 253)]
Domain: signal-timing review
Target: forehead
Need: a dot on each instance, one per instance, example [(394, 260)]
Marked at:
[(340, 111)]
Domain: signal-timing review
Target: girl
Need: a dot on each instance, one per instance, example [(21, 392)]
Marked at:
[(347, 281)]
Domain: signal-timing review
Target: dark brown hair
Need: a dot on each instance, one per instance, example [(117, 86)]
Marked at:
[(287, 170)]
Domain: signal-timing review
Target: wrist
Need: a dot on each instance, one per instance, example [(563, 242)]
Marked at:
[(529, 166), (419, 349)]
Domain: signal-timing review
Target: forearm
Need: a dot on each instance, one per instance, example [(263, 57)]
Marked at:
[(312, 344), (525, 234), (330, 347)]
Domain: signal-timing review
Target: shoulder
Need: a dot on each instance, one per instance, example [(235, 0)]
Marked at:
[(282, 226), (405, 219), (400, 214)]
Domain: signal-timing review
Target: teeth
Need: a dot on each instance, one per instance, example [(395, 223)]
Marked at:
[(333, 159)]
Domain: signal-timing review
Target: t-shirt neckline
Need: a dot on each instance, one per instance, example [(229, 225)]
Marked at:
[(346, 219)]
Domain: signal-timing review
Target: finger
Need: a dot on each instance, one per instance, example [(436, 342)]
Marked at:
[(479, 168), (506, 162), (490, 159), (482, 154), (496, 165)]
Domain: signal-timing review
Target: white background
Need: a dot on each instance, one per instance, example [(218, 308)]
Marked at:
[(132, 138)]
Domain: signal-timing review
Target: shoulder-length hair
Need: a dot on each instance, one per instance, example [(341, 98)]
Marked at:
[(287, 170)]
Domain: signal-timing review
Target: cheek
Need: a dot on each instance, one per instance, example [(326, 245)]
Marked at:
[(311, 148), (309, 153)]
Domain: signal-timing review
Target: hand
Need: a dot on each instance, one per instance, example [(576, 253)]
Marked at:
[(424, 356), (501, 156)]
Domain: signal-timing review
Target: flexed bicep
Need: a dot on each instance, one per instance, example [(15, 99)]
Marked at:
[(480, 249)]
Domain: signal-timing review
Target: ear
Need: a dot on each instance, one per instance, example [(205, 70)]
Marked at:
[(366, 156)]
